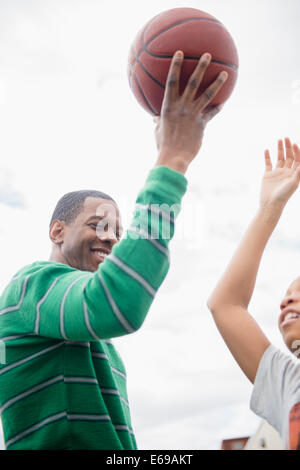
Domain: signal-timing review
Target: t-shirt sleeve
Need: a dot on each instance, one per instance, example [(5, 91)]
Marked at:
[(276, 386), (60, 302)]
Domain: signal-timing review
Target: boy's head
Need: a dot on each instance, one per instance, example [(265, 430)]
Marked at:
[(289, 320), (84, 227)]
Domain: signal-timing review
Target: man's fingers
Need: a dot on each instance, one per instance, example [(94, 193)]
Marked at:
[(280, 159), (172, 84), (196, 78), (289, 153), (268, 161), (211, 112), (209, 94)]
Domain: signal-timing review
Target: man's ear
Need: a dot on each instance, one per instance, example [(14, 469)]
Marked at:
[(57, 232)]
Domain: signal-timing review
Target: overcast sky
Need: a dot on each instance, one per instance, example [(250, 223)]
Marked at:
[(69, 121)]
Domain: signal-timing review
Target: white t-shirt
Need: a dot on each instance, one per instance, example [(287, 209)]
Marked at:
[(276, 395)]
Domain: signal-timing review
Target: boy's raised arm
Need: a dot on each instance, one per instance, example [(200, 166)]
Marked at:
[(231, 297)]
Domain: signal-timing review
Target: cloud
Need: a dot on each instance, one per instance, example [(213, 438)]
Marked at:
[(9, 195)]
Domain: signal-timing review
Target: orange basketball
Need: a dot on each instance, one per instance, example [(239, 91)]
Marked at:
[(192, 31)]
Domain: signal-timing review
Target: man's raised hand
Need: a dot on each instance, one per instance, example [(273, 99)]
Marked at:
[(180, 128)]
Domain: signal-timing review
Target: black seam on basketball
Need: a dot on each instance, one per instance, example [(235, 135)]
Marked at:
[(170, 57), (188, 20), (143, 95), (149, 75), (144, 48), (234, 67), (160, 84)]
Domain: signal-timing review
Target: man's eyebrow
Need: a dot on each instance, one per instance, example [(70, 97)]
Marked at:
[(94, 217), (99, 217)]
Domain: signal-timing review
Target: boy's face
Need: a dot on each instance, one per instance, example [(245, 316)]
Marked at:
[(289, 320)]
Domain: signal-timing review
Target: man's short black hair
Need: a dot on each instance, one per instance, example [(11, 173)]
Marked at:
[(71, 204)]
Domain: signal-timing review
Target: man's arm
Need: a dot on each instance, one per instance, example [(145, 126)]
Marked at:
[(66, 304), (231, 297), (61, 302)]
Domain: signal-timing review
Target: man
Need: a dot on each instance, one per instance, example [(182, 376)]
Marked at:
[(64, 385), (276, 376)]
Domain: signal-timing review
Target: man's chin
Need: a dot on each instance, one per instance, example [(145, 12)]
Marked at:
[(91, 266), (94, 267)]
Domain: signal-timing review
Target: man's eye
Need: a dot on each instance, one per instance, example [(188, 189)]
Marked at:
[(99, 226), (103, 228)]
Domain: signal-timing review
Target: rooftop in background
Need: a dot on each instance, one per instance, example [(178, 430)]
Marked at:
[(234, 444), (265, 438)]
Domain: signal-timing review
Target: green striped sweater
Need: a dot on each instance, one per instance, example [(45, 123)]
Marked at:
[(63, 384)]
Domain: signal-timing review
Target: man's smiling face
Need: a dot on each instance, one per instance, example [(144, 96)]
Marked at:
[(87, 240)]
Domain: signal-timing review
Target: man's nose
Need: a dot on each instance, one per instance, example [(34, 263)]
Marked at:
[(108, 237)]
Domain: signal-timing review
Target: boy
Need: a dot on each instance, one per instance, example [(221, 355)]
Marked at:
[(276, 376)]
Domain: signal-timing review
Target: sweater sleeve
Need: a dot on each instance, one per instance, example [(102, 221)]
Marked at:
[(64, 303)]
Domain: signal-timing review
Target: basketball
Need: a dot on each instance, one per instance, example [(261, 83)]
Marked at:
[(192, 31)]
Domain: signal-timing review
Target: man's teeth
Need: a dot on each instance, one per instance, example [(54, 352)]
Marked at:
[(291, 315), (101, 253)]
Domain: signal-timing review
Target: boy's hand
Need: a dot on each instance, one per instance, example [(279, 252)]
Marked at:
[(180, 127), (280, 183)]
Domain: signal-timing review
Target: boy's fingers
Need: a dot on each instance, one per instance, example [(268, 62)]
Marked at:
[(172, 84), (268, 161), (297, 174), (296, 155), (289, 153), (209, 94), (281, 159), (196, 78)]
